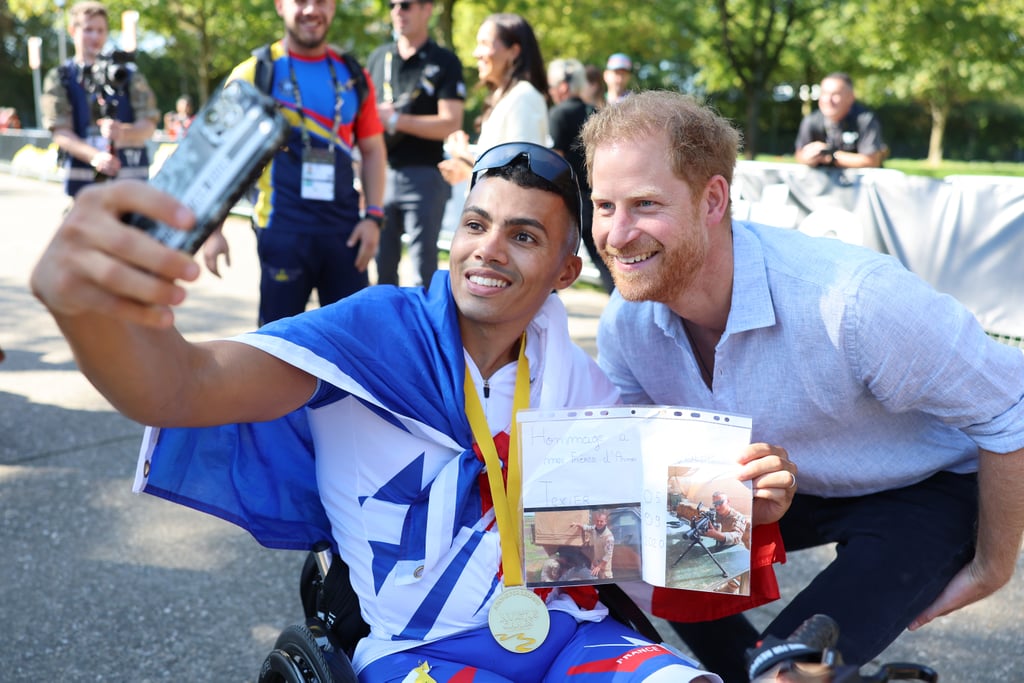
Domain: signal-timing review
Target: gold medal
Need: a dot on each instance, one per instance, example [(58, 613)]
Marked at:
[(519, 620)]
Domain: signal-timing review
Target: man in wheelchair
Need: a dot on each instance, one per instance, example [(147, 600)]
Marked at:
[(403, 395)]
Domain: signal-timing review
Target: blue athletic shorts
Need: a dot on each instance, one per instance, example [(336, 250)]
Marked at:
[(603, 652)]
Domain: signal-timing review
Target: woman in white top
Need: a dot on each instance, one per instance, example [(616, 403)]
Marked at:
[(510, 65)]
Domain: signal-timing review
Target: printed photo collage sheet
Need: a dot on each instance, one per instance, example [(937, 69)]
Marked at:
[(628, 493)]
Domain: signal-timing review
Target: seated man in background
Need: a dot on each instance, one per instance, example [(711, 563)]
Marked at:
[(842, 133)]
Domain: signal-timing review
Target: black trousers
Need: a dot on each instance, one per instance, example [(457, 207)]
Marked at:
[(895, 553)]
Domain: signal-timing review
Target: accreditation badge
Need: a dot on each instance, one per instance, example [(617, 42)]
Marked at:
[(519, 620), (318, 174)]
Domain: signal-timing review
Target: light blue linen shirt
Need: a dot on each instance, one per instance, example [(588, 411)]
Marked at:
[(869, 378)]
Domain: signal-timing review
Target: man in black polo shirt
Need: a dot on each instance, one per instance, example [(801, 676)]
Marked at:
[(421, 97), (842, 132)]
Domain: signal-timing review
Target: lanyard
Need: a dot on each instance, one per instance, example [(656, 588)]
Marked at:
[(391, 80), (389, 90), (339, 91), (506, 503)]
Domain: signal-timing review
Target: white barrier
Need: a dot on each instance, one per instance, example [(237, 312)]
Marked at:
[(962, 234)]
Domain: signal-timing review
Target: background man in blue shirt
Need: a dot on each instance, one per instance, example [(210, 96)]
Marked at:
[(100, 118)]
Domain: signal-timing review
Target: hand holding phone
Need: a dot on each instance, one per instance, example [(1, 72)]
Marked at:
[(225, 149)]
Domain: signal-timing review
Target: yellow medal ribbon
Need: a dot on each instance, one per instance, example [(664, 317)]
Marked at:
[(518, 618), (506, 503)]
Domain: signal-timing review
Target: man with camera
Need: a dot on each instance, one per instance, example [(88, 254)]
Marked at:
[(98, 106), (420, 95), (842, 133)]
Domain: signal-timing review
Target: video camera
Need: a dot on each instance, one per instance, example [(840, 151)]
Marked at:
[(828, 156), (109, 73)]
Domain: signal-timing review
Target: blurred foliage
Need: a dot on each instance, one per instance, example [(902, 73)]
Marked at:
[(946, 75)]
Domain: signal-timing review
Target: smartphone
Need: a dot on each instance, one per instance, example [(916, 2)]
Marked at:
[(226, 147)]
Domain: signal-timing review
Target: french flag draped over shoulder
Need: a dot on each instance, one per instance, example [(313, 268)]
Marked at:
[(262, 476)]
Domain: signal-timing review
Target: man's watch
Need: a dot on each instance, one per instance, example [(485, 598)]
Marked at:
[(392, 123), (377, 218)]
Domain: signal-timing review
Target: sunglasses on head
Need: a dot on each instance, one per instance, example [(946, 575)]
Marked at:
[(541, 161), (404, 6)]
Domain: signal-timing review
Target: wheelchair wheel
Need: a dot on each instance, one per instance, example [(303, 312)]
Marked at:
[(278, 667), (298, 658)]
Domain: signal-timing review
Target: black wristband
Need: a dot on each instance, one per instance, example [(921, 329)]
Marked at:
[(379, 220)]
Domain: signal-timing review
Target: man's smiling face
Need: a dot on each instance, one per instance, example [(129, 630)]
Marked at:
[(647, 221), (512, 247)]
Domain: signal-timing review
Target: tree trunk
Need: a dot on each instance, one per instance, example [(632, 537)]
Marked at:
[(204, 70), (445, 23), (940, 114), (750, 136)]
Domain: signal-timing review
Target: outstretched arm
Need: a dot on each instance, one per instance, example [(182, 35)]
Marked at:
[(111, 288)]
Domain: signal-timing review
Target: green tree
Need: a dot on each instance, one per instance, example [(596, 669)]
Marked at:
[(947, 53), (657, 35), (16, 87), (206, 38), (943, 54), (744, 45)]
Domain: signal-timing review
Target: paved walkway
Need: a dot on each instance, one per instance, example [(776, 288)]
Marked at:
[(97, 584)]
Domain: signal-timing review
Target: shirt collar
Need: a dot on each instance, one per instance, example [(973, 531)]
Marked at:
[(751, 306), (421, 51)]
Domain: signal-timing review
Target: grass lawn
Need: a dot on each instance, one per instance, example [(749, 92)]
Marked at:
[(946, 168)]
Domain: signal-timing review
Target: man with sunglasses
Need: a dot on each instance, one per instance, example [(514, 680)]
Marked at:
[(317, 227), (359, 423), (420, 96)]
